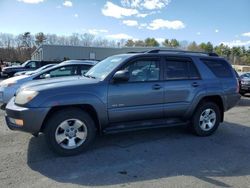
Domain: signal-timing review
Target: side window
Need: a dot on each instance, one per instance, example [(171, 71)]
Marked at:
[(193, 72), (31, 64), (144, 70), (180, 69), (84, 69), (220, 68), (61, 71)]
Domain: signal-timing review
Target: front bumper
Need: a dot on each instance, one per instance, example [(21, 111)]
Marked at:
[(245, 88), (32, 117)]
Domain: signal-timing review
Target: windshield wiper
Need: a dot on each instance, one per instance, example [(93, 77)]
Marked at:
[(88, 76)]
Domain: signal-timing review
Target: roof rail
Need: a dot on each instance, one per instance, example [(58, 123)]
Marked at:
[(181, 51)]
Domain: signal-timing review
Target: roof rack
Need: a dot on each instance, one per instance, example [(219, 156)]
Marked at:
[(182, 51)]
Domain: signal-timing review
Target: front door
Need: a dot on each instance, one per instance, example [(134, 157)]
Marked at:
[(139, 98)]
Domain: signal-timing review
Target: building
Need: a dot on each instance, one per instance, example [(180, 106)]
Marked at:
[(60, 53)]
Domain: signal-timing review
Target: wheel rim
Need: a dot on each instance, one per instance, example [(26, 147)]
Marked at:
[(207, 119), (71, 133)]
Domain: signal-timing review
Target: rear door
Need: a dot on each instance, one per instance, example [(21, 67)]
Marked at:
[(182, 83), (139, 98)]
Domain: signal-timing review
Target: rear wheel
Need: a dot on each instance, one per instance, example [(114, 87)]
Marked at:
[(206, 119), (70, 132)]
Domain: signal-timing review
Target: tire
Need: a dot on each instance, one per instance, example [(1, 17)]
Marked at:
[(69, 132), (206, 119), (242, 93)]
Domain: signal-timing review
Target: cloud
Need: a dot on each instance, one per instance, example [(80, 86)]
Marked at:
[(145, 4), (165, 24), (237, 43), (216, 30), (113, 10), (142, 15), (67, 4), (155, 4), (96, 31), (130, 22), (31, 1), (246, 34), (76, 15), (120, 36)]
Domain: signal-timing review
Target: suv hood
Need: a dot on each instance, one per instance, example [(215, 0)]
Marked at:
[(55, 83), (13, 68)]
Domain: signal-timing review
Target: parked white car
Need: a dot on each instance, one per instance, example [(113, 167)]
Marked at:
[(9, 86)]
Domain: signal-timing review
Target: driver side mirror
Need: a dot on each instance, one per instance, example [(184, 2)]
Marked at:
[(121, 76)]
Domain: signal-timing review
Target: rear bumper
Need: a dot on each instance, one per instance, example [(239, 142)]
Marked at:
[(32, 117)]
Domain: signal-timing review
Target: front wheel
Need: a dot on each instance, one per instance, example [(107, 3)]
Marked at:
[(70, 131), (206, 119)]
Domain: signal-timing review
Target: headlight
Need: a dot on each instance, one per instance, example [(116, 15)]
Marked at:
[(25, 96), (7, 83)]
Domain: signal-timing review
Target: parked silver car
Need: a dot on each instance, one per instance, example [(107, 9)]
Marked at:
[(9, 86), (34, 71)]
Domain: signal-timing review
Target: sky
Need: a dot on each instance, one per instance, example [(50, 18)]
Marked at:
[(218, 21)]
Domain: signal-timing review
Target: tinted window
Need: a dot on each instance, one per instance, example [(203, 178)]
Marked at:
[(61, 71), (220, 68), (180, 69), (143, 70), (84, 69), (31, 64)]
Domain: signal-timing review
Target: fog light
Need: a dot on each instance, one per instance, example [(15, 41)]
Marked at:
[(18, 122)]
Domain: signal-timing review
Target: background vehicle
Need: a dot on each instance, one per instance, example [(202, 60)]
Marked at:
[(29, 65), (9, 86), (35, 71), (245, 83), (127, 92)]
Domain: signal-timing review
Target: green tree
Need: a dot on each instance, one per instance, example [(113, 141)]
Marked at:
[(130, 43), (193, 46), (139, 43), (166, 43), (174, 43), (151, 42)]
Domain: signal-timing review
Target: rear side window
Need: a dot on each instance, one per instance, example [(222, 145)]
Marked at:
[(220, 68), (180, 69)]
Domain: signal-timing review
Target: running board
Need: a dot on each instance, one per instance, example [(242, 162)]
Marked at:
[(141, 125)]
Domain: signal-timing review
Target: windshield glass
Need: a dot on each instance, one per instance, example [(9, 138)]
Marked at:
[(104, 67), (25, 63)]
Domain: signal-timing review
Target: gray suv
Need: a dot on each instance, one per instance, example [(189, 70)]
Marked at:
[(127, 92)]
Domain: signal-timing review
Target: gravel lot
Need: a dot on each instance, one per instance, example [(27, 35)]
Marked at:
[(169, 157)]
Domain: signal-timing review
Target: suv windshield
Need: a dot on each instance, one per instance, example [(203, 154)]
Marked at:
[(104, 67), (25, 63)]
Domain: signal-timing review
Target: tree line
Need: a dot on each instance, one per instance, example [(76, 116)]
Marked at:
[(20, 47)]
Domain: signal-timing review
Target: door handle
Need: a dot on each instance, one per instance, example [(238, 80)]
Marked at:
[(195, 84), (156, 87)]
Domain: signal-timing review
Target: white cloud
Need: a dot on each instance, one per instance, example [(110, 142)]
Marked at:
[(67, 4), (130, 22), (76, 15), (198, 33), (246, 34), (216, 30), (113, 10), (146, 4), (96, 31), (120, 36), (237, 43), (141, 15), (165, 24), (31, 1), (155, 4)]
